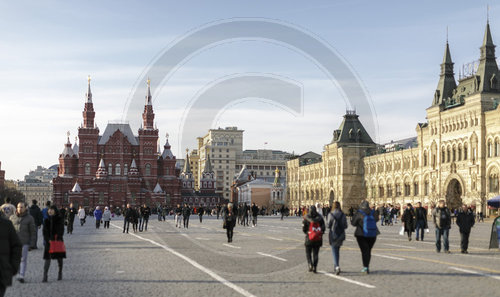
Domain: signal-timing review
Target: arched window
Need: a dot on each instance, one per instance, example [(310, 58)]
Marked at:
[(497, 148), (87, 168), (493, 181), (118, 169), (465, 151), (459, 153), (125, 169), (148, 170), (425, 158), (490, 149), (110, 169)]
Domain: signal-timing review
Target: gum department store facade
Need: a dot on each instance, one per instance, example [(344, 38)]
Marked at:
[(457, 156)]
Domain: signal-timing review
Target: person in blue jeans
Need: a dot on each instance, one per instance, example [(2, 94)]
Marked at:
[(421, 217), (337, 223), (442, 220)]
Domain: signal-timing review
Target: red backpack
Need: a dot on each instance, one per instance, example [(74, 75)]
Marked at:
[(315, 233)]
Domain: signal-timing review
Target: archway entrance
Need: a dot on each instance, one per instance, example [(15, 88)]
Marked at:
[(332, 198), (454, 195)]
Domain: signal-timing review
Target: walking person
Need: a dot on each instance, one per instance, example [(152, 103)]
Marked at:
[(365, 221), (313, 226), (81, 215), (158, 212), (106, 217), (201, 211), (178, 215), (465, 221), (442, 220), (45, 211), (408, 219), (145, 213), (10, 253), (229, 217), (98, 217), (421, 218), (36, 213), (186, 213), (135, 219), (127, 217), (24, 224), (70, 218), (255, 213), (53, 230), (337, 223)]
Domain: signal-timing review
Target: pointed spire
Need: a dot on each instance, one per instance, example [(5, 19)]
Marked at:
[(101, 170), (133, 164), (487, 40), (76, 188), (446, 83), (447, 56), (88, 95), (157, 188), (208, 164), (101, 164), (167, 153), (187, 166), (487, 69), (148, 95)]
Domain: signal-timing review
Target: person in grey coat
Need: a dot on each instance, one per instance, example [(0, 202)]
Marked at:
[(106, 217), (24, 224), (337, 223)]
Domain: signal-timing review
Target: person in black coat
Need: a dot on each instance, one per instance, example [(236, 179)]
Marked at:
[(128, 217), (70, 217), (36, 213), (465, 221), (53, 229), (421, 221), (186, 213), (408, 219), (10, 253), (229, 217), (313, 245)]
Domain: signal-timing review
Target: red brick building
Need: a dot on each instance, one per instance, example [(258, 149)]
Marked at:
[(2, 176), (118, 167)]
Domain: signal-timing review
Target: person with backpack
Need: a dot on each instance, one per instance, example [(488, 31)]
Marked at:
[(408, 219), (365, 221), (442, 220), (313, 226), (337, 223)]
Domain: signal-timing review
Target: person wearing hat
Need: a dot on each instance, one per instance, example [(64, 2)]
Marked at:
[(106, 217)]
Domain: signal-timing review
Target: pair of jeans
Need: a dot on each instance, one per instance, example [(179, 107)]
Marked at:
[(420, 226), (444, 233), (106, 224), (82, 221), (312, 251), (24, 260), (254, 220), (178, 219), (97, 224), (143, 224), (229, 233), (126, 225), (336, 255), (464, 241), (365, 245), (185, 220), (70, 225)]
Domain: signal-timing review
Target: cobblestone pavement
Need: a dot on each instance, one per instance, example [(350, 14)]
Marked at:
[(268, 260)]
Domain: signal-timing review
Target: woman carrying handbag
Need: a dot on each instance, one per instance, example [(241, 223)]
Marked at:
[(53, 231)]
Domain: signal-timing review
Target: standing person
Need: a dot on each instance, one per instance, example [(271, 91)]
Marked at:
[(365, 221), (381, 212), (53, 229), (201, 211), (337, 223), (218, 210), (421, 217), (178, 215), (135, 218), (127, 217), (70, 217), (7, 208), (408, 219), (81, 215), (45, 213), (10, 253), (24, 224), (186, 212), (246, 210), (145, 213), (229, 217), (106, 217), (255, 213), (36, 213), (442, 219), (98, 217), (313, 226), (158, 211), (465, 221), (282, 211)]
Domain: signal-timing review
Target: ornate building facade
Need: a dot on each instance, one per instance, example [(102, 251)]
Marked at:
[(118, 167), (456, 156)]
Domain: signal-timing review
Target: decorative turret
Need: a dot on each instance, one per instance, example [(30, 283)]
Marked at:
[(487, 70), (148, 114), (207, 181), (446, 83), (101, 170), (88, 111), (76, 188), (186, 174), (76, 148), (167, 153), (133, 169)]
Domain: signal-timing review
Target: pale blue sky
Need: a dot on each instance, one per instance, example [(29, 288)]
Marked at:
[(48, 48)]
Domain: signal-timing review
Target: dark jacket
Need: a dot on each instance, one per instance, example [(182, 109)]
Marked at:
[(128, 215), (357, 218), (52, 227), (308, 219), (255, 210), (337, 223), (442, 218), (408, 219), (10, 252), (70, 215), (421, 215), (465, 221), (145, 212), (229, 219), (186, 211), (36, 213)]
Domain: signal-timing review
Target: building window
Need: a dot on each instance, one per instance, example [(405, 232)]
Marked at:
[(425, 158), (426, 188), (118, 169), (381, 191), (415, 189), (87, 168), (493, 181), (389, 190), (398, 190), (407, 190), (148, 169), (465, 152), (110, 169), (490, 149), (125, 169)]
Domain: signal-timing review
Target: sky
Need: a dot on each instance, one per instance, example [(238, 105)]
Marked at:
[(394, 48)]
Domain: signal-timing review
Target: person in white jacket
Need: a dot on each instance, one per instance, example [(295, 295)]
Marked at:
[(81, 215), (106, 217)]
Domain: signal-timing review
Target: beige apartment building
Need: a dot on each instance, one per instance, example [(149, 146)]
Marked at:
[(456, 154)]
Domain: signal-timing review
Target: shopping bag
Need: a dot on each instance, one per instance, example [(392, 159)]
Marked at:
[(402, 231), (426, 230), (56, 246)]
